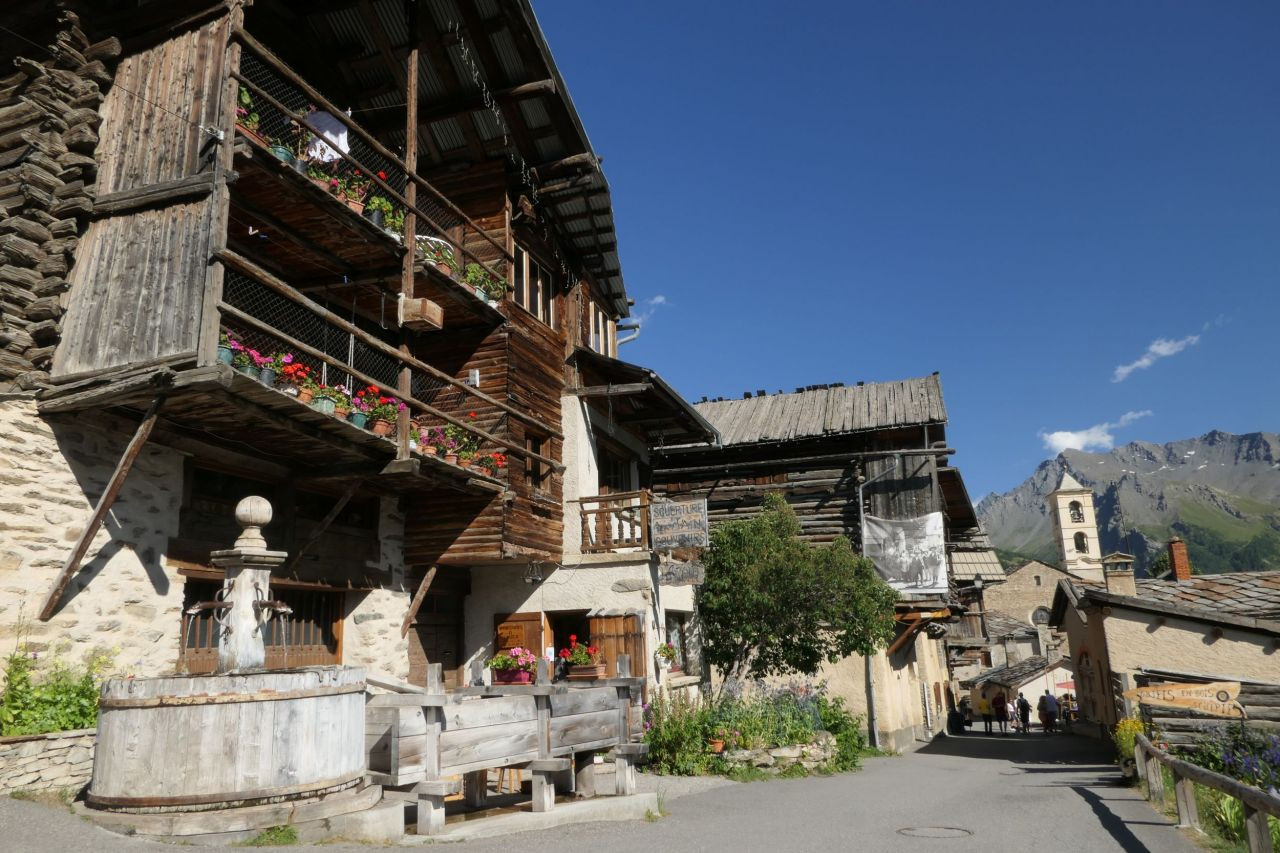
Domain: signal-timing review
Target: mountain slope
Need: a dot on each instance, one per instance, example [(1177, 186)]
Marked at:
[(1219, 492)]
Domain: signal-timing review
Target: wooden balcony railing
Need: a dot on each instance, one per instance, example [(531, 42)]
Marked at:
[(615, 522)]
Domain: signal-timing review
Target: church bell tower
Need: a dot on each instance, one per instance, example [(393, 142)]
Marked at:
[(1075, 523)]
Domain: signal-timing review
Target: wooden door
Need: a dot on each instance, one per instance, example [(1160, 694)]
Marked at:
[(518, 629), (618, 635), (434, 641)]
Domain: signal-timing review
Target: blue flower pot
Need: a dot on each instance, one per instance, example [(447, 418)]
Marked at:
[(225, 355), (358, 418), (285, 155), (249, 371), (324, 404), (268, 377)]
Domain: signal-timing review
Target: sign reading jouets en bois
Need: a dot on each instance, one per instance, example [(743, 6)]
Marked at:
[(678, 524)]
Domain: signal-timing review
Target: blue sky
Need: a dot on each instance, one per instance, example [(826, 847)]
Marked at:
[(1023, 196)]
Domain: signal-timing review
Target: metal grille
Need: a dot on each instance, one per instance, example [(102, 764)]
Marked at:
[(280, 107)]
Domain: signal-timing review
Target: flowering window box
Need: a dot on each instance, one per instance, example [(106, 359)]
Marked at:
[(586, 672), (512, 676)]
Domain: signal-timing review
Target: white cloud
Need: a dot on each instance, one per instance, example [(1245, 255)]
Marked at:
[(657, 300), (651, 305), (1158, 349), (1096, 437)]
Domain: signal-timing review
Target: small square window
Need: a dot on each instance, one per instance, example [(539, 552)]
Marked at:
[(1037, 577)]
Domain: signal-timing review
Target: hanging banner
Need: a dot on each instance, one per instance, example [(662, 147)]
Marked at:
[(678, 524), (909, 554)]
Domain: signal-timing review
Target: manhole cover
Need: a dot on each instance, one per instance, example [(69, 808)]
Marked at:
[(934, 832)]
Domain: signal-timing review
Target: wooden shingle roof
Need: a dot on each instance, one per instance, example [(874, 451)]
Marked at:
[(827, 411)]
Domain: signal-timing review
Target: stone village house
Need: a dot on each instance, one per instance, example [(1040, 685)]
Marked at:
[(177, 175)]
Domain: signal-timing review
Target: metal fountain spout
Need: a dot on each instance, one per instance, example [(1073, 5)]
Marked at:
[(243, 598)]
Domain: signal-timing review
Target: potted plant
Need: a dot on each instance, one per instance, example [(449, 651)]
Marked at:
[(326, 399), (308, 388), (666, 654), (245, 359), (377, 209), (283, 153), (393, 223), (293, 377), (226, 352), (583, 661), (517, 666), (319, 176), (342, 402), (362, 403), (302, 139), (273, 368), (717, 740), (353, 191), (487, 287), (383, 414), (491, 463), (461, 442), (438, 253), (247, 118)]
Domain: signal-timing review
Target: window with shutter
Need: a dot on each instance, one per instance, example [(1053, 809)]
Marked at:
[(618, 635)]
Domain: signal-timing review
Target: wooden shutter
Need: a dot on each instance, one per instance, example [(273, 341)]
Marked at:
[(620, 635), (518, 629)]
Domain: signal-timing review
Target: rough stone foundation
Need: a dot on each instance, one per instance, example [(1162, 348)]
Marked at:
[(46, 762), (781, 758)]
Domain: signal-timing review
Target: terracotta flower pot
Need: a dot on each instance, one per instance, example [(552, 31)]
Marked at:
[(465, 463), (341, 413), (357, 206), (451, 458), (512, 676), (717, 746), (445, 269), (382, 426), (305, 395)]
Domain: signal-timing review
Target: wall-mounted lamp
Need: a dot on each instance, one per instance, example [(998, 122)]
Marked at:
[(533, 573)]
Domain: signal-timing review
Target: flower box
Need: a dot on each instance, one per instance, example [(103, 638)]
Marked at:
[(512, 676), (586, 672)]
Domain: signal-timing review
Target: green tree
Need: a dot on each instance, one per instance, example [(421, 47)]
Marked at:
[(774, 605)]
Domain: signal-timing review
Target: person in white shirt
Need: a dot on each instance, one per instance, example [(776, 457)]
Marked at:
[(332, 139)]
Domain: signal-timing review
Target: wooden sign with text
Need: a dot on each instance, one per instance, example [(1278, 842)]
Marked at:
[(678, 524), (1218, 698)]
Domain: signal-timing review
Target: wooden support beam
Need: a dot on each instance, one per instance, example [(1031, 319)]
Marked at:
[(418, 597), (108, 497), (437, 110), (338, 506), (623, 390), (157, 195)]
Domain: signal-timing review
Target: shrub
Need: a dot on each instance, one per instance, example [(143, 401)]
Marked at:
[(1125, 735), (61, 698), (676, 730), (1242, 753), (851, 739)]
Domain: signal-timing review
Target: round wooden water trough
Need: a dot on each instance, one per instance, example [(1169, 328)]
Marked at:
[(194, 742)]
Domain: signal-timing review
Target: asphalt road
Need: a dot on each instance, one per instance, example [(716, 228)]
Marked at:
[(1026, 793)]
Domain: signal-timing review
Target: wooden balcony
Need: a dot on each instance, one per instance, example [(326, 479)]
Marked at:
[(615, 523)]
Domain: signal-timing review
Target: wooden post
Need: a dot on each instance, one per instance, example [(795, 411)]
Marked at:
[(475, 788), (1140, 761), (1155, 782), (108, 497), (544, 791), (1257, 833), (1185, 793), (624, 771), (432, 791)]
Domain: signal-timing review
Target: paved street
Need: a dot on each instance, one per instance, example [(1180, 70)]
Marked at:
[(1015, 793)]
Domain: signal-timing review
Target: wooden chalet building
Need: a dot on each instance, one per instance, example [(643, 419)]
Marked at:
[(183, 182), (823, 447)]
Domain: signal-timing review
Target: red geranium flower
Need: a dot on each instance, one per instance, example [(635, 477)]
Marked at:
[(564, 653), (471, 414), (382, 174)]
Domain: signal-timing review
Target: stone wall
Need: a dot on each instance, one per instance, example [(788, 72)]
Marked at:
[(123, 598), (781, 759), (371, 631), (44, 762)]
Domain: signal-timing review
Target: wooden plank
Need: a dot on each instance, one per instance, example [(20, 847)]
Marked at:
[(479, 713), (585, 728), (418, 597), (162, 194), (108, 497), (583, 701)]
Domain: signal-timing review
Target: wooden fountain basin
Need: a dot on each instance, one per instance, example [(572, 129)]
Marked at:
[(192, 742)]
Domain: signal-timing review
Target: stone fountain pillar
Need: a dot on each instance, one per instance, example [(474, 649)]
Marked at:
[(246, 589)]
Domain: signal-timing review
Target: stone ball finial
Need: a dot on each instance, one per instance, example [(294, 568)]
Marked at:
[(252, 514)]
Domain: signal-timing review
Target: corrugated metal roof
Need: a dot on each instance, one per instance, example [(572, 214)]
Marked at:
[(827, 411), (971, 565)]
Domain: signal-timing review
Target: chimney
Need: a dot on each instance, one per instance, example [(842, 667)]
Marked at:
[(1117, 570), (1178, 561)]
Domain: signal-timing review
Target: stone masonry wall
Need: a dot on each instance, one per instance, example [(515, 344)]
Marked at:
[(44, 762), (123, 598), (371, 632)]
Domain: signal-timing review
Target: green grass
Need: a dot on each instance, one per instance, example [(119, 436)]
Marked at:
[(57, 797), (276, 836), (1221, 524)]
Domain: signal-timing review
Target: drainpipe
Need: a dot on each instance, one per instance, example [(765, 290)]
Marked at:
[(873, 728)]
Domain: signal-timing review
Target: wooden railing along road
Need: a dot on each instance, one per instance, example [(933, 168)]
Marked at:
[(1257, 803)]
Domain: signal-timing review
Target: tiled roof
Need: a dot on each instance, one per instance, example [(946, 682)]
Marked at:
[(970, 565), (1015, 675), (1255, 594), (1003, 625)]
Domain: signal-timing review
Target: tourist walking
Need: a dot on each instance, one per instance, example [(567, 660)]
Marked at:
[(1048, 708), (984, 708), (1001, 711), (1011, 707), (1024, 713)]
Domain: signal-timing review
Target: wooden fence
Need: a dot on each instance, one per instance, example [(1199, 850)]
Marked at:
[(1180, 727), (1257, 803), (615, 522), (419, 740)]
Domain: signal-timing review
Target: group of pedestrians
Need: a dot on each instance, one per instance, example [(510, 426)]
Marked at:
[(1007, 713)]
